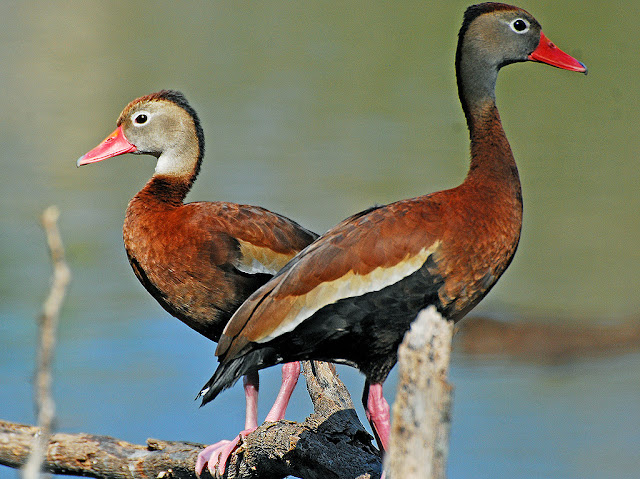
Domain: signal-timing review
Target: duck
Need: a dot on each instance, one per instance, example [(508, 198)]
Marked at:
[(351, 295), (199, 260)]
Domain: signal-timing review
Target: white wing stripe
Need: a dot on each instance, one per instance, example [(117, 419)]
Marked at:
[(260, 259), (349, 286)]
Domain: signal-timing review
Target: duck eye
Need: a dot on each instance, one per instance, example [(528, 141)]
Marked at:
[(519, 25), (140, 119)]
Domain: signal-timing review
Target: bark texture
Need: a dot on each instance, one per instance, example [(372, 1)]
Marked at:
[(421, 414)]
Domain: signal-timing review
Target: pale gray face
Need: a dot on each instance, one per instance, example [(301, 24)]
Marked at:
[(153, 126), (503, 37), (166, 131)]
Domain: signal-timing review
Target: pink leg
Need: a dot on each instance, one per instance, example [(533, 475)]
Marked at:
[(377, 410), (251, 384), (290, 375), (218, 453)]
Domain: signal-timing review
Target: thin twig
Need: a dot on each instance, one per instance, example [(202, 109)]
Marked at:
[(48, 324)]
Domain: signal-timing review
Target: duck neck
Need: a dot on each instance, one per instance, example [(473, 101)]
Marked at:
[(181, 160), (476, 83), (176, 170), (492, 160)]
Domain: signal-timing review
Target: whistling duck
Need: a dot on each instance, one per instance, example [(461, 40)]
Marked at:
[(350, 296), (200, 260)]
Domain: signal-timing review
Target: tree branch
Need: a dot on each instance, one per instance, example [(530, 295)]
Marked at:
[(96, 456), (330, 443)]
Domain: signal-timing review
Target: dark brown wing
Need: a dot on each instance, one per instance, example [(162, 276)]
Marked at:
[(266, 240), (364, 253)]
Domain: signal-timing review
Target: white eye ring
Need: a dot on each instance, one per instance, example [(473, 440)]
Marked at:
[(141, 118), (519, 25)]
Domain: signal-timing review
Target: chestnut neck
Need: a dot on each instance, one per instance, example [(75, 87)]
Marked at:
[(177, 165), (176, 170), (492, 160)]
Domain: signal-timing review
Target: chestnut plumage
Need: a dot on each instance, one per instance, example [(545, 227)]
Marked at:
[(352, 294), (199, 260)]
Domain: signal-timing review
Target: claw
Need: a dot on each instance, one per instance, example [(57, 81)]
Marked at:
[(216, 456), (206, 454)]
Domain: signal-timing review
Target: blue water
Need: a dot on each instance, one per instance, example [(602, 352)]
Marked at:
[(578, 420)]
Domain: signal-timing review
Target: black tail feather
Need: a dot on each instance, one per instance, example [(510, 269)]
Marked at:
[(228, 373)]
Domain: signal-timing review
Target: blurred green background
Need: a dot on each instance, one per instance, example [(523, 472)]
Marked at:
[(318, 110)]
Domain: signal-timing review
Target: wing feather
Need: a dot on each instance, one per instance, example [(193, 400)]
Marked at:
[(365, 252), (266, 240)]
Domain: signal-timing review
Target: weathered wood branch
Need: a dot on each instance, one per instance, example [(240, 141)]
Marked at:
[(330, 443), (422, 409), (96, 456)]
